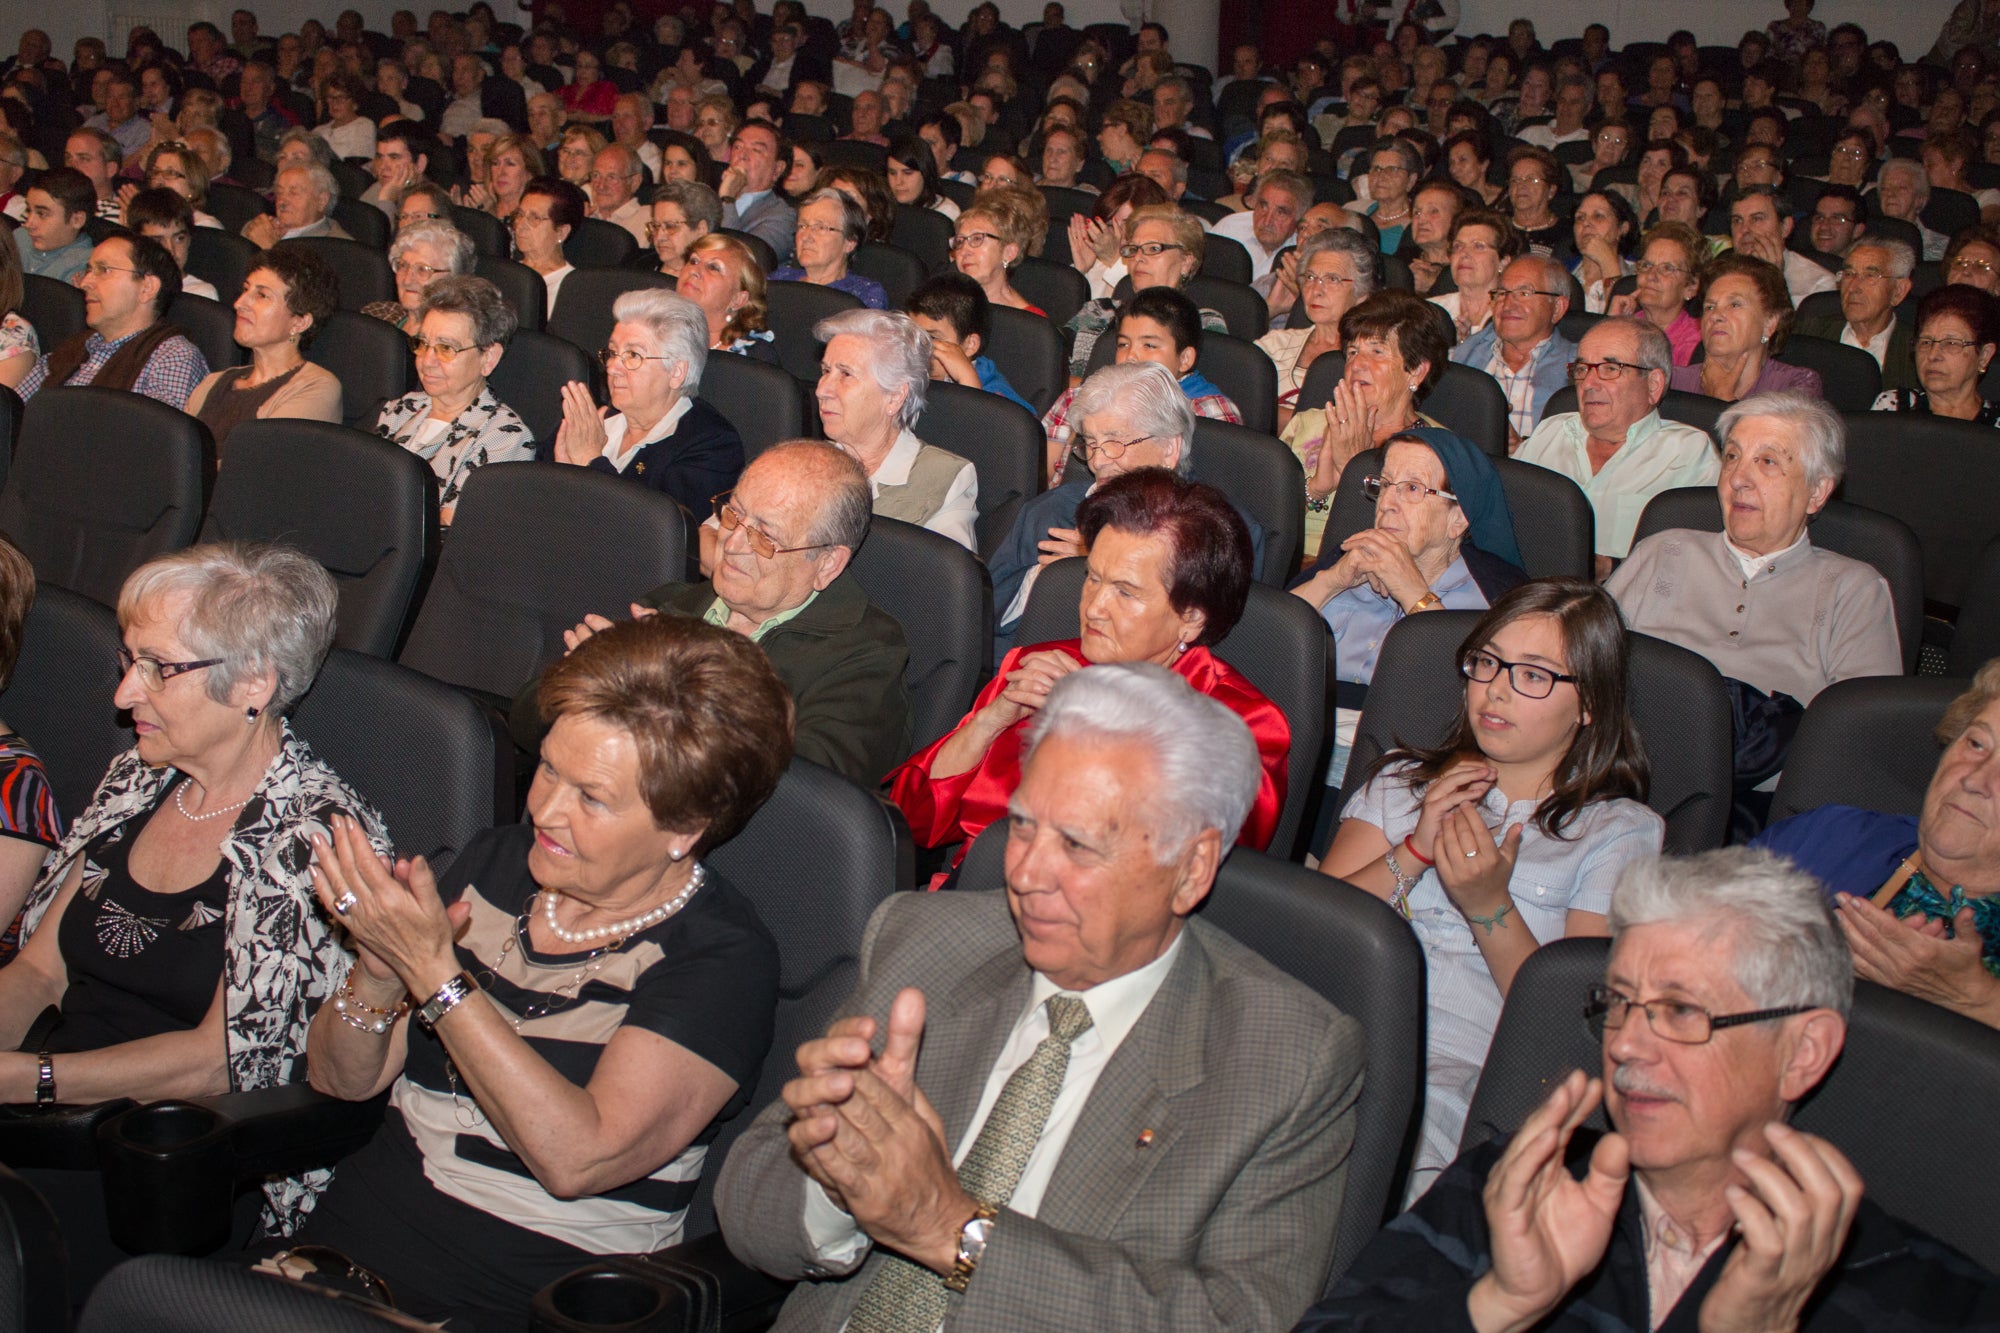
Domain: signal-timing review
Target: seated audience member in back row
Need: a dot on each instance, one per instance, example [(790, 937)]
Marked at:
[(1129, 416), (454, 422), (1168, 574), (758, 156), (302, 203), (662, 436), (1916, 894), (1616, 446), (1724, 1003), (1522, 348), (50, 239), (422, 253), (781, 549), (1045, 1024), (1958, 335), (169, 219), (1160, 246), (127, 287), (953, 309), (1874, 279), (873, 377), (287, 299), (1159, 325), (830, 227)]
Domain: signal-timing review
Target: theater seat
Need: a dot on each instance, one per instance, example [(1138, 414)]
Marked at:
[(764, 403), (1554, 524), (1467, 401), (1003, 442), (942, 596), (1868, 743)]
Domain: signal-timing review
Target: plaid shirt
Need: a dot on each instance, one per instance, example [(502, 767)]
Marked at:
[(170, 374), (1061, 430), (1519, 385)]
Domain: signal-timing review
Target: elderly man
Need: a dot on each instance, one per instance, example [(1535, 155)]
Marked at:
[(468, 78), (783, 541), (1173, 103), (402, 158), (1760, 222), (303, 203), (1573, 96), (1902, 188), (1278, 201), (127, 287), (758, 157), (867, 116), (97, 155), (1166, 170), (1522, 348), (121, 118), (208, 53), (786, 65), (614, 186), (631, 120), (256, 97), (1724, 1003), (1758, 599), (1616, 446), (1874, 280), (50, 239), (1003, 1161)]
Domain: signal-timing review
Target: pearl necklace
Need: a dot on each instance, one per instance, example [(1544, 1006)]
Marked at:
[(628, 927), (181, 805)]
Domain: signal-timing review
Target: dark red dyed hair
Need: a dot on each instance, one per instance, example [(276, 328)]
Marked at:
[(1211, 543)]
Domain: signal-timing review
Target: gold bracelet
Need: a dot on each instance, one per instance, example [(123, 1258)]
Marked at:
[(1430, 601)]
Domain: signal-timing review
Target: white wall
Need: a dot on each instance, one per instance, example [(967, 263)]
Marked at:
[(1911, 24)]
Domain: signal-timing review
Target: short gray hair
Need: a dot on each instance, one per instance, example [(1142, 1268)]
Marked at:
[(493, 316), (1405, 151), (1366, 257), (677, 324), (1910, 166), (322, 181), (1786, 947), (1151, 398), (697, 202), (459, 252), (255, 606), (1208, 767), (1555, 277), (1178, 167), (1655, 352), (318, 145), (901, 353), (1902, 259), (846, 503), (1299, 186), (853, 218), (1822, 436)]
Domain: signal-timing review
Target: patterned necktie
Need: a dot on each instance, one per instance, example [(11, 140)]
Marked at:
[(907, 1297)]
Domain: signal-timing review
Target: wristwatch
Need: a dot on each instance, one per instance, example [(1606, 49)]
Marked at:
[(447, 999), (45, 1080), (972, 1238)]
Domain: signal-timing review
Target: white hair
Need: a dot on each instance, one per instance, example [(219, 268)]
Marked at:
[(1151, 399), (1785, 948), (459, 252), (677, 324), (1655, 352), (901, 353), (1902, 259), (1920, 181), (1820, 434), (1207, 767)]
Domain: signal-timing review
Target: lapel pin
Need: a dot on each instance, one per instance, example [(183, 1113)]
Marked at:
[(1145, 1138)]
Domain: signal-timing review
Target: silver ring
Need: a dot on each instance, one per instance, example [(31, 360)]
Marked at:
[(1468, 856), (345, 902)]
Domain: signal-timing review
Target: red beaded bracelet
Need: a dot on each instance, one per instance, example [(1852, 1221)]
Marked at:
[(1411, 848)]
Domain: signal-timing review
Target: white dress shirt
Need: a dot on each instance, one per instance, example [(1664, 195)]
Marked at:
[(552, 283), (620, 454), (1804, 278), (1241, 227), (1877, 347), (1115, 1007), (958, 516)]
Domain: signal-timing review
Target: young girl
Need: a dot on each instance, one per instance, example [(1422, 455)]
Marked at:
[(1510, 833)]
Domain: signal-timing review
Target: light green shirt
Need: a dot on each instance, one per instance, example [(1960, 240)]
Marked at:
[(718, 614), (1658, 455)]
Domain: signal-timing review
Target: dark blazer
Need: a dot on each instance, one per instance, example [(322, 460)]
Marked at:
[(1223, 1213), (805, 68), (1899, 363), (700, 460), (842, 658)]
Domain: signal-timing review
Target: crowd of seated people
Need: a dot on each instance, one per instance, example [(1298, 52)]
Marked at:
[(1711, 250)]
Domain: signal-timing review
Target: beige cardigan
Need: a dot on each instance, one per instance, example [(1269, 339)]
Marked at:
[(314, 394)]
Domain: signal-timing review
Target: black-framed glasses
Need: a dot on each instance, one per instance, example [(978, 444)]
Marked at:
[(762, 544), (1671, 1020), (1607, 370), (1150, 249), (154, 674), (1411, 491), (1529, 681), (1523, 293)]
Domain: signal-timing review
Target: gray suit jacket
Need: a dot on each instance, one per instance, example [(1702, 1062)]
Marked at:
[(770, 219), (1223, 1220)]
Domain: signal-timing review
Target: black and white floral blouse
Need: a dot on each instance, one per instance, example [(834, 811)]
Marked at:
[(282, 958), (489, 431)]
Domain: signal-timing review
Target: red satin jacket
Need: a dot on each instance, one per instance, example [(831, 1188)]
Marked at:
[(945, 810)]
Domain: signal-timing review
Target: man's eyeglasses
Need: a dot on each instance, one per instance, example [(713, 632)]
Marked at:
[(818, 229), (1671, 1020), (1869, 274), (1608, 371), (762, 545), (1529, 681), (1150, 249), (98, 270), (153, 674), (1410, 491), (1522, 293)]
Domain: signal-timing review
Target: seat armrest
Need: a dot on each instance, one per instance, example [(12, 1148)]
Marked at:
[(745, 1298), (60, 1137), (698, 1287)]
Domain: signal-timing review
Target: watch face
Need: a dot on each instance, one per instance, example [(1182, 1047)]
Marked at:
[(972, 1240)]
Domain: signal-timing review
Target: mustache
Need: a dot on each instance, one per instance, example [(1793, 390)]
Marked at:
[(1628, 1079)]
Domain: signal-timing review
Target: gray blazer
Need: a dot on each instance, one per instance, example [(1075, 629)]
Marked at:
[(1224, 1219), (770, 219)]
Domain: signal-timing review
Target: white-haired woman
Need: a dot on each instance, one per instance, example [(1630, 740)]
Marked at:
[(171, 947), (872, 382), (830, 228), (1337, 270), (662, 436), (455, 423), (421, 254)]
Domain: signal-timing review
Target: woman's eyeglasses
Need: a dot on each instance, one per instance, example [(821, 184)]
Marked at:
[(1150, 249), (154, 674), (1528, 680), (629, 358), (445, 352), (1410, 491)]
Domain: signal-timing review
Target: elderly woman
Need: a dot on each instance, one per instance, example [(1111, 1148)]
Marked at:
[(1434, 206), (455, 423), (201, 979), (992, 235), (1443, 539), (1746, 315), (30, 824), (683, 213), (1774, 613), (349, 132), (1468, 157), (565, 1020), (1396, 353), (1169, 572), (580, 146), (423, 201), (1958, 333), (1608, 149), (913, 176), (1163, 247), (1065, 150), (287, 299), (831, 227), (1668, 274), (1916, 895), (176, 167), (1483, 243), (1095, 237), (873, 379), (661, 436), (1336, 270), (422, 253), (1606, 232), (550, 210), (714, 123), (721, 276), (1394, 168), (1973, 258)]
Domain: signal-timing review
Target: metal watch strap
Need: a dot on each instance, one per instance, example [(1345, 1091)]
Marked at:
[(45, 1080), (972, 1239), (448, 998)]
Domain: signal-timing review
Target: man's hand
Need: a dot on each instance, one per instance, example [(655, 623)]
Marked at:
[(732, 184), (889, 1161), (261, 231), (1548, 1228), (1061, 544), (1793, 1218), (1759, 246)]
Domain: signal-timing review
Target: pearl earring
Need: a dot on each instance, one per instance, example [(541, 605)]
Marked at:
[(250, 714)]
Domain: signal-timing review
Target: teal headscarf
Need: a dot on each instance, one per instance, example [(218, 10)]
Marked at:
[(1470, 475)]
